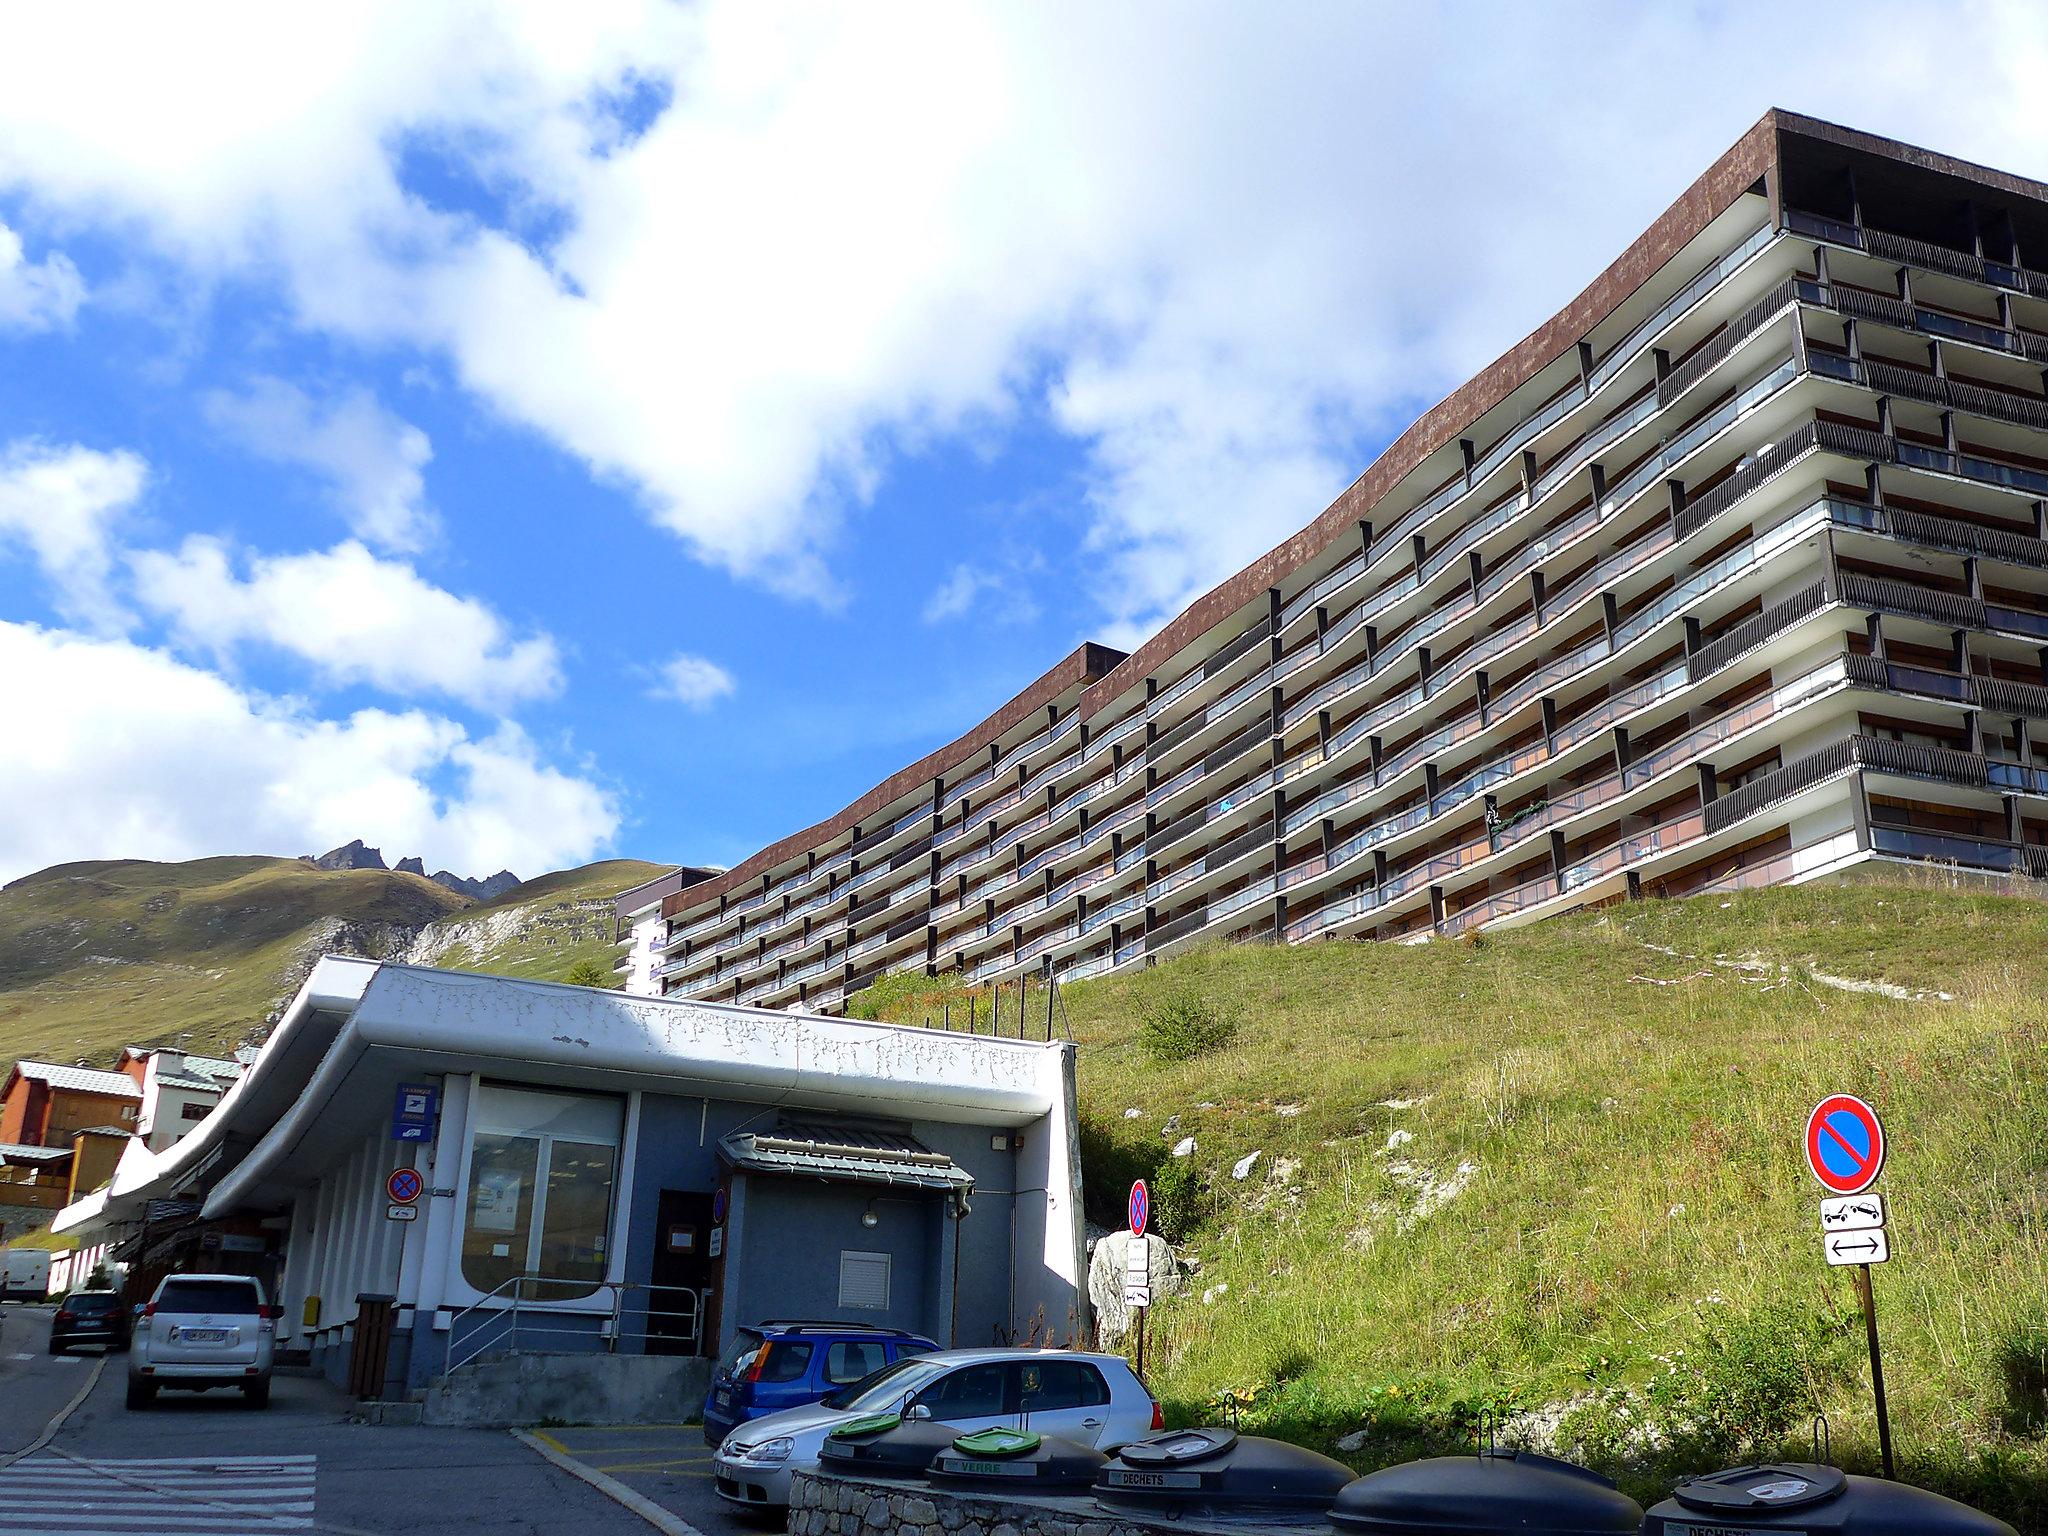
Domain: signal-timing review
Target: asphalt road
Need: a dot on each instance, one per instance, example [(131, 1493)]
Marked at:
[(204, 1464), (667, 1463)]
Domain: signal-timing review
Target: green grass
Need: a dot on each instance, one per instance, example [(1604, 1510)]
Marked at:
[(556, 922), (1593, 1209)]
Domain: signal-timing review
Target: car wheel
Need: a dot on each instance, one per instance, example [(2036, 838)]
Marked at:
[(257, 1393), (141, 1394), (56, 1347)]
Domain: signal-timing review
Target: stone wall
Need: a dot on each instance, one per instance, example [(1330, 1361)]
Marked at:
[(824, 1504)]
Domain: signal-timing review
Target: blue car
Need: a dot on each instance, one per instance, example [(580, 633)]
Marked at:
[(776, 1365)]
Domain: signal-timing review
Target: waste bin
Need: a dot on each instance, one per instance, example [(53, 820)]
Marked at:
[(371, 1351), (1490, 1493), (1218, 1474), (885, 1445), (1017, 1462), (1815, 1500)]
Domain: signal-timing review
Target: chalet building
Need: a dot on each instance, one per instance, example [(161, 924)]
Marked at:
[(62, 1130), (1733, 573)]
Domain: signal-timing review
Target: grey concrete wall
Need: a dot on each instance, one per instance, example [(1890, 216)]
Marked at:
[(570, 1389), (794, 1233)]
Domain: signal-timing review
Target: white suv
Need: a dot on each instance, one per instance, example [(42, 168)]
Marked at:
[(203, 1331), (1095, 1399)]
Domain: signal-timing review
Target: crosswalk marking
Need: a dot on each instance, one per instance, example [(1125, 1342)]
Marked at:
[(51, 1494)]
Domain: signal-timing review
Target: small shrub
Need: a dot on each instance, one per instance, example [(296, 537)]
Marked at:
[(588, 973), (1177, 1198), (1182, 1025)]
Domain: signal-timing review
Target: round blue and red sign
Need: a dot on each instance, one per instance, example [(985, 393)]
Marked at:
[(403, 1186), (1844, 1144), (1140, 1208)]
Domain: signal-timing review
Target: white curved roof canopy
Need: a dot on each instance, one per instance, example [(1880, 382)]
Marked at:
[(358, 1028)]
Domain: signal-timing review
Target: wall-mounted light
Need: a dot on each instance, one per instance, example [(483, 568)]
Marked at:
[(868, 1217)]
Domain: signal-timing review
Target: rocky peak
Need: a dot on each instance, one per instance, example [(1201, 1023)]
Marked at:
[(481, 890), (351, 855), (412, 866)]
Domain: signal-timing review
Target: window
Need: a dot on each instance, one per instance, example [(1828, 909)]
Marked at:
[(542, 1167), (864, 1280), (190, 1111), (221, 1297), (1050, 1384), (785, 1361), (973, 1392), (851, 1359)]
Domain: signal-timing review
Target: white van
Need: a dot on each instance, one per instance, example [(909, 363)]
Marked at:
[(24, 1274)]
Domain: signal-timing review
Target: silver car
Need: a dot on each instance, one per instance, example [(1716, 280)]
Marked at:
[(203, 1331), (1094, 1399)]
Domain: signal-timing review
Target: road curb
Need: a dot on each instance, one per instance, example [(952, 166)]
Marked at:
[(662, 1520), (50, 1429)]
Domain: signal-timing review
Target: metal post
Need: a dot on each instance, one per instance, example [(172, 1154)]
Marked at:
[(1141, 1311), (1884, 1422), (1052, 989)]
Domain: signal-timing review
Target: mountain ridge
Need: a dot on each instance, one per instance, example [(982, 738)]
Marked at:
[(98, 954)]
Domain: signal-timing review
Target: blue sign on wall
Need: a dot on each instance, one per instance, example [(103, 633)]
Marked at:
[(414, 1112)]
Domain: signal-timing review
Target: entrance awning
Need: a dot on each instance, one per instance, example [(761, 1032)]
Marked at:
[(843, 1154)]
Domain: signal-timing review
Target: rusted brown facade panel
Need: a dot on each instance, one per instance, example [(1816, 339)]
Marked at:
[(1080, 665)]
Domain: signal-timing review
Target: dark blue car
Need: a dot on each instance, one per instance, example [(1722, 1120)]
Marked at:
[(776, 1365)]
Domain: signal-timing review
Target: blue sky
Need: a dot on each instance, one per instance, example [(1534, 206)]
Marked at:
[(518, 435)]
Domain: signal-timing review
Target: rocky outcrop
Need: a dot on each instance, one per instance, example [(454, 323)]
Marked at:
[(351, 855), (356, 855), (481, 890), (1106, 1280)]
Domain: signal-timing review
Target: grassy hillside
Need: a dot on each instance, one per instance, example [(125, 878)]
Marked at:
[(539, 929), (95, 956), (99, 955), (1557, 1173)]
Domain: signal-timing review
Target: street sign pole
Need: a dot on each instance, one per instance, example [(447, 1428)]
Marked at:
[(1845, 1149), (1138, 1264), (1884, 1420)]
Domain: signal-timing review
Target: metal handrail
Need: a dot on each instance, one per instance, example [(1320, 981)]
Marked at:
[(506, 1313)]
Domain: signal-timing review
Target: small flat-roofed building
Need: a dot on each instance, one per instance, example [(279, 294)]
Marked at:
[(642, 1175)]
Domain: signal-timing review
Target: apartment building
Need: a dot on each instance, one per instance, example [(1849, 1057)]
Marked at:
[(179, 1089), (1734, 572), (641, 932)]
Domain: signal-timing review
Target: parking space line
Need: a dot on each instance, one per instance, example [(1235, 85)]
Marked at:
[(661, 1519), (647, 1466)]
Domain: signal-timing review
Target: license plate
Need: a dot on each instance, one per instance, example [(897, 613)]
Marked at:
[(724, 1397), (1116, 1477), (988, 1468), (203, 1335)]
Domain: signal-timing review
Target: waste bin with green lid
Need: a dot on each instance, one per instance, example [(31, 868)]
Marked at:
[(1217, 1474), (1814, 1500), (883, 1445), (1491, 1493), (1017, 1462)]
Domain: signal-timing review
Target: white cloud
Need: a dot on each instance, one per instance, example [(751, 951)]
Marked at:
[(36, 296), (61, 503), (134, 754), (371, 459), (1219, 246), (956, 594), (355, 617), (691, 680)]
